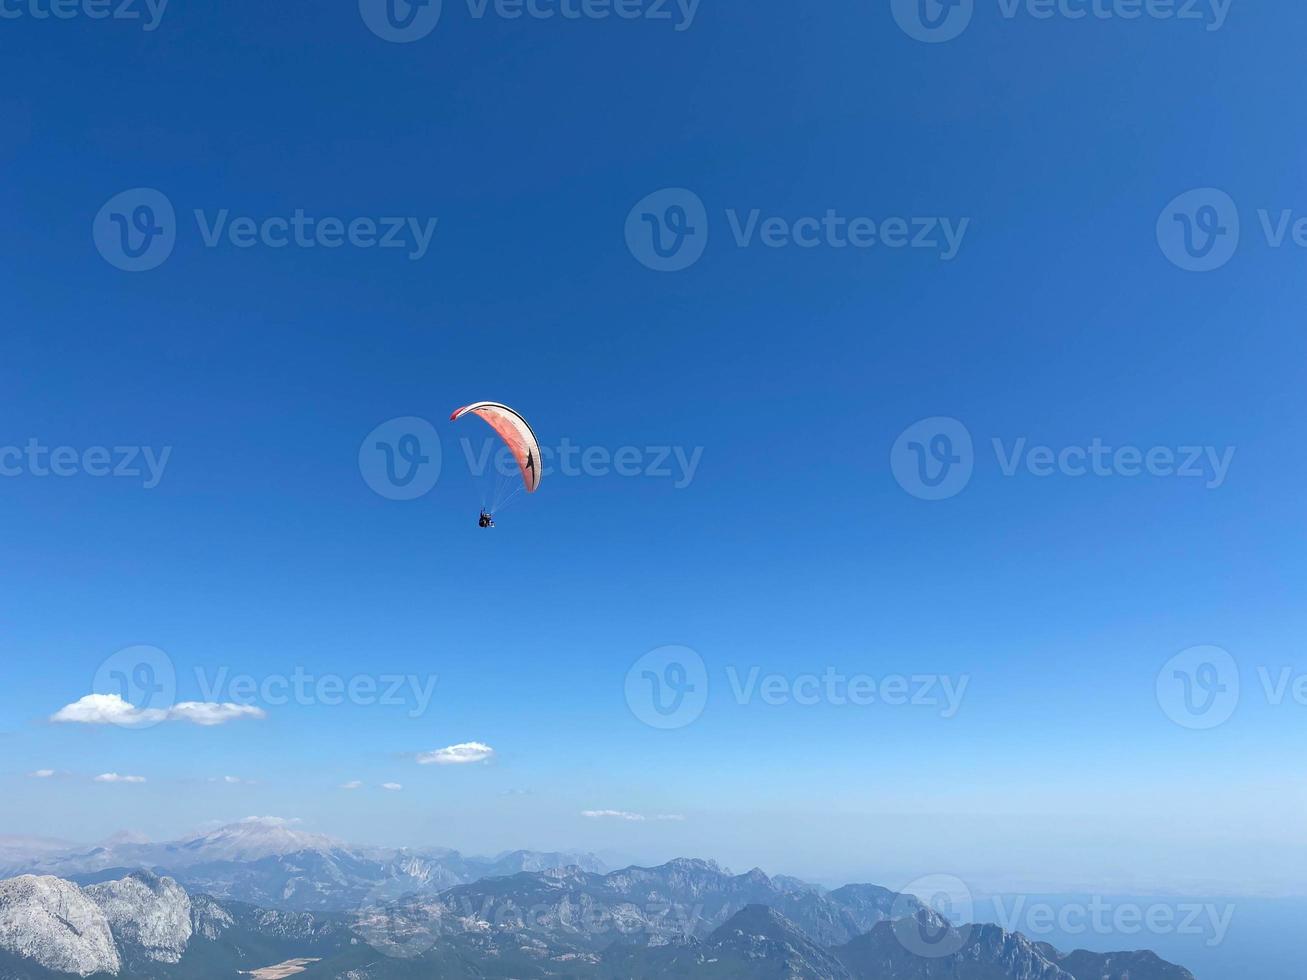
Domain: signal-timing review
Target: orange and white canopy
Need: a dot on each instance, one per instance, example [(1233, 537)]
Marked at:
[(515, 432)]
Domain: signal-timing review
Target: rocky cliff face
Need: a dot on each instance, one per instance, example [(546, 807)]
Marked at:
[(53, 924), (209, 919), (151, 915), (919, 949)]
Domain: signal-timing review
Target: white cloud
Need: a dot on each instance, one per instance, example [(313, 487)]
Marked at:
[(104, 709), (352, 784), (113, 777), (209, 713), (457, 755), (627, 815), (42, 774), (229, 780), (111, 709), (392, 786)]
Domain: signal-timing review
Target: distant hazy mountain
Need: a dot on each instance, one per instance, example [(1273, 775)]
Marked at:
[(1142, 965), (246, 841), (19, 850), (987, 952), (264, 861), (683, 898)]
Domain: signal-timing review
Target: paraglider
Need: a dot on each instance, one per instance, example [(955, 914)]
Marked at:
[(521, 442)]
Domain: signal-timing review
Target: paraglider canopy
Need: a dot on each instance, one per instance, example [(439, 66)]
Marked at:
[(515, 432)]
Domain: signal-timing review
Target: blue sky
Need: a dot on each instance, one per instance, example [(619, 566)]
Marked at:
[(1061, 318)]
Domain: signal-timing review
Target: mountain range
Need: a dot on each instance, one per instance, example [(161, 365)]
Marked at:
[(268, 861), (372, 914)]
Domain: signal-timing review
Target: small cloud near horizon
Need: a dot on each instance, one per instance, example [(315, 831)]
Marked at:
[(352, 784), (111, 709), (113, 777), (392, 786), (462, 754), (627, 816), (42, 774)]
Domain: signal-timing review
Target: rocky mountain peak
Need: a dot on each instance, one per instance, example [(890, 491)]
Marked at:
[(257, 837), (756, 920), (52, 923), (148, 913), (690, 866)]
